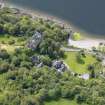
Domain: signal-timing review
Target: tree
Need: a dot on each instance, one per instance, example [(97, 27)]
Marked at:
[(9, 28), (80, 59), (79, 98), (92, 74), (52, 94), (90, 67), (26, 64), (53, 50), (4, 54), (46, 60), (76, 36), (1, 28), (4, 67), (65, 92), (16, 61), (31, 100)]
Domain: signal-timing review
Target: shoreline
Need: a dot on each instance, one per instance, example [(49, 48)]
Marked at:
[(88, 41), (39, 14), (58, 20)]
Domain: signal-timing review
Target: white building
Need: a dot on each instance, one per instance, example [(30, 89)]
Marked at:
[(84, 76)]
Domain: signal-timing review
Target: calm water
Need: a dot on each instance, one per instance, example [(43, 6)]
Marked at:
[(87, 15)]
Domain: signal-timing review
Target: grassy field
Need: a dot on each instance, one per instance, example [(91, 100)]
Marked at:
[(7, 38), (5, 41), (9, 48), (77, 67), (61, 102)]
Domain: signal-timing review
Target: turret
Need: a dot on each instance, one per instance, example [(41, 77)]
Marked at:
[(2, 4)]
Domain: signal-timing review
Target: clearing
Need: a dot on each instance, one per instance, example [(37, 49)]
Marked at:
[(62, 102), (71, 61)]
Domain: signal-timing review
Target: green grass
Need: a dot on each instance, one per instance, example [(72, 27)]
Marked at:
[(5, 39), (9, 48), (61, 102), (75, 66)]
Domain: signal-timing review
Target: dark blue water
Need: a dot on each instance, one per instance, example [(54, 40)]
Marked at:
[(87, 15)]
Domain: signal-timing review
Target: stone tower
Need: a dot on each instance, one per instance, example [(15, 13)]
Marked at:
[(2, 4)]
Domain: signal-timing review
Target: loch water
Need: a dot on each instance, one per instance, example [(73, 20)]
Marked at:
[(86, 15)]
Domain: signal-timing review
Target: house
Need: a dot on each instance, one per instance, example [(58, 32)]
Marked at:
[(84, 76)]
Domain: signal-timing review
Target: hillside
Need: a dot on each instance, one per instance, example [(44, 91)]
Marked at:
[(33, 69)]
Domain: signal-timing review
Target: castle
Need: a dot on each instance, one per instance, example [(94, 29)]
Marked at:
[(2, 4)]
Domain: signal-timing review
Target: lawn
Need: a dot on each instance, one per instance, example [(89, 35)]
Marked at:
[(71, 61), (63, 102)]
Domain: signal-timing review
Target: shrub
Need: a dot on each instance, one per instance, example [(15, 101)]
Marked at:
[(80, 59), (4, 54), (76, 36), (16, 61), (11, 42), (4, 67), (90, 67)]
